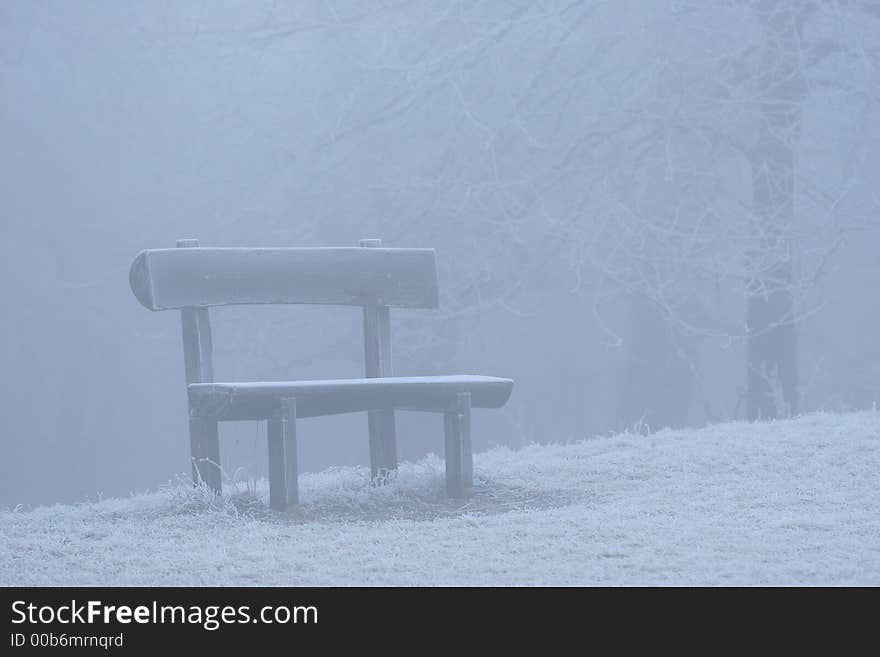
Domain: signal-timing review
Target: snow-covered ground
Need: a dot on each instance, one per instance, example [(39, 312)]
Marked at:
[(793, 502)]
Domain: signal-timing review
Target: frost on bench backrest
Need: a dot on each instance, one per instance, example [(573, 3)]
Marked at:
[(164, 279)]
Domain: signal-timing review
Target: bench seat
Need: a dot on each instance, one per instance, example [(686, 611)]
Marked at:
[(260, 400)]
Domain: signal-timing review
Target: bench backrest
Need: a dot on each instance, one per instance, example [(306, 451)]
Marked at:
[(191, 279), (164, 279)]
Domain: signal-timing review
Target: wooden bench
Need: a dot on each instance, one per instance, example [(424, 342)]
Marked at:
[(191, 279)]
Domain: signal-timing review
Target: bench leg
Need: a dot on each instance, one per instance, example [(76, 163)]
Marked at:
[(283, 473), (204, 444), (459, 454), (383, 444)]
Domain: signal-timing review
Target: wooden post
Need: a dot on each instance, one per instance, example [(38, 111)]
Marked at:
[(204, 446), (283, 471), (467, 453), (377, 363), (277, 481), (459, 453), (288, 433), (199, 366)]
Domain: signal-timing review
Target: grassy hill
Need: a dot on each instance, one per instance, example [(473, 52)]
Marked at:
[(791, 502)]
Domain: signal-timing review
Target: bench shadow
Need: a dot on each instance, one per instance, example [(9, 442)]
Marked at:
[(424, 499), (488, 498)]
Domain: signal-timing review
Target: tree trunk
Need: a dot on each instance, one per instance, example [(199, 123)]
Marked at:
[(772, 333), (657, 388)]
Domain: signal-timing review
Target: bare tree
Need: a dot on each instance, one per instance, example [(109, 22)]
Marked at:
[(730, 83), (770, 322)]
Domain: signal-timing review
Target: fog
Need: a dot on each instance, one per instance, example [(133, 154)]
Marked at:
[(646, 213)]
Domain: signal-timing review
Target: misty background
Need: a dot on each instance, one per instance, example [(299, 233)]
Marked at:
[(647, 213)]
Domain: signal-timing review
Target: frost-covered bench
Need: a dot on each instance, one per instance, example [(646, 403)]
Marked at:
[(192, 279)]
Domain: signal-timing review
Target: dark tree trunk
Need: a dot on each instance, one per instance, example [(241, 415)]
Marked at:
[(772, 356), (772, 333), (658, 381)]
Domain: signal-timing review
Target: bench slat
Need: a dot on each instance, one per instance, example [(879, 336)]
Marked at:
[(259, 400), (163, 279)]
